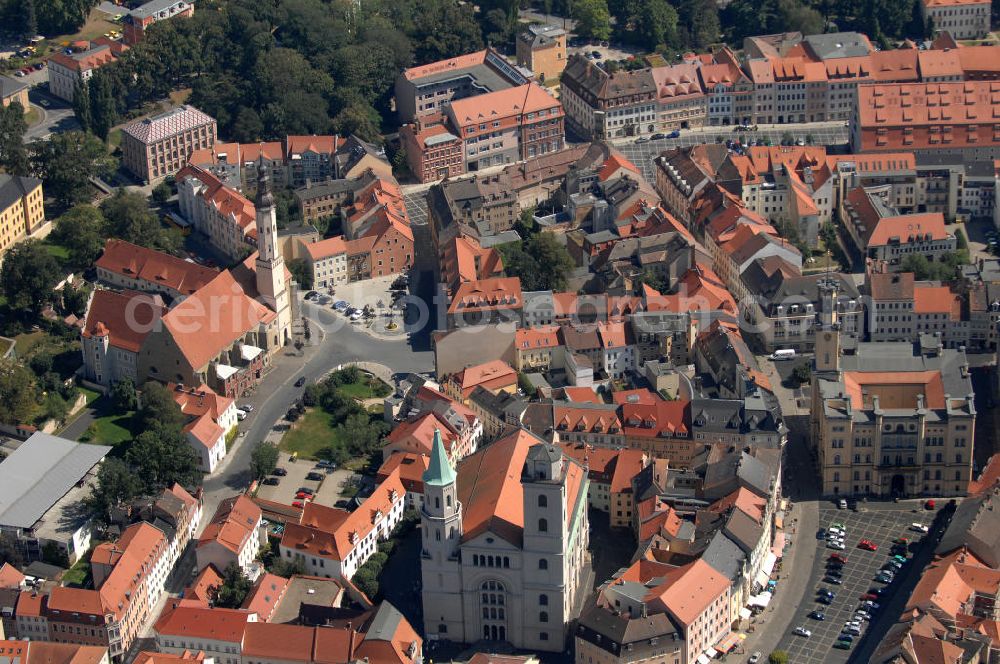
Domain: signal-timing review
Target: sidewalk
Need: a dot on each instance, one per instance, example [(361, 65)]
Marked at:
[(793, 583)]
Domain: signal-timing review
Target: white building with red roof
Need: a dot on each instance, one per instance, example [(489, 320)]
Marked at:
[(211, 419), (67, 70), (223, 214), (505, 544), (233, 536), (333, 543), (115, 328), (128, 266)]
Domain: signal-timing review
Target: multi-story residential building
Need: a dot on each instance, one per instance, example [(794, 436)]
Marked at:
[(902, 309), (655, 612), (883, 235), (328, 261), (611, 474), (210, 421), (40, 651), (892, 419), (129, 267), (600, 105), (680, 102), (505, 547), (542, 50), (217, 632), (962, 19), (22, 210), (951, 118), (116, 326), (786, 308), (161, 145), (223, 214), (427, 89), (433, 151), (728, 90), (334, 543), (12, 90), (479, 206), (232, 537), (507, 126), (129, 577), (485, 302), (68, 70), (138, 20)]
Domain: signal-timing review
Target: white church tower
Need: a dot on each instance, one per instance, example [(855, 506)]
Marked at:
[(271, 283), (441, 521)]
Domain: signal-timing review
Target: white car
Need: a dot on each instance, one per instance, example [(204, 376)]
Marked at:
[(754, 658), (839, 532), (356, 315), (839, 546), (241, 414), (919, 527), (802, 631)]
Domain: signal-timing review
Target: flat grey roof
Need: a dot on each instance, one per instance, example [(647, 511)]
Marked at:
[(155, 6), (40, 472)]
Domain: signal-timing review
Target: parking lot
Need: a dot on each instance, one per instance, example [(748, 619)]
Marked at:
[(881, 526), (328, 490)]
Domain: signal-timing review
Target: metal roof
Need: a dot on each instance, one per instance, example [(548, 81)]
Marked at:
[(40, 472)]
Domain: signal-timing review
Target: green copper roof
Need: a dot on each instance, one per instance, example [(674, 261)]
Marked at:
[(439, 472)]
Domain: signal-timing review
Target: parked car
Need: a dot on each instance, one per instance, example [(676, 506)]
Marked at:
[(832, 580), (674, 134), (842, 645), (596, 54), (341, 305), (241, 414), (802, 631), (300, 382), (826, 593), (817, 615), (314, 476), (754, 658), (839, 545), (310, 295), (248, 407), (272, 481), (841, 504), (323, 463), (824, 600), (839, 557), (297, 503), (658, 136), (280, 472), (869, 597), (929, 505), (868, 545), (642, 139)]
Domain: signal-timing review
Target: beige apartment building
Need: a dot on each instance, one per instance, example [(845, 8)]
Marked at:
[(964, 19), (892, 419), (22, 213), (156, 147)]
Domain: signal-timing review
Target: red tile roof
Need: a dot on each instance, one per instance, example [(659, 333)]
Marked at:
[(510, 104), (233, 524), (213, 624), (126, 318), (908, 228), (493, 375), (10, 576), (498, 293), (135, 262), (211, 320)]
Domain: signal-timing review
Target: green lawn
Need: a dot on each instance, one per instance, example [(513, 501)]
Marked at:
[(313, 432), (92, 395), (78, 576), (56, 250), (363, 390), (109, 427)]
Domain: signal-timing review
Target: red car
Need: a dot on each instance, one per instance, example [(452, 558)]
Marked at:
[(929, 505), (301, 494), (869, 597), (296, 503), (839, 557), (868, 545)]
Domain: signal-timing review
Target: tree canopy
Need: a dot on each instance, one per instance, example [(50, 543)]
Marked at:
[(28, 275), (66, 162), (17, 392), (540, 262)]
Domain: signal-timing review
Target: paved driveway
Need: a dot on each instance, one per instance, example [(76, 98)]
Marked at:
[(882, 525)]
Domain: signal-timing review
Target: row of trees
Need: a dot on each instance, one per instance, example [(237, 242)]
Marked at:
[(265, 70)]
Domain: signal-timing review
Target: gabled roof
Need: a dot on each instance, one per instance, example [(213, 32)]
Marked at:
[(135, 262), (126, 318), (214, 624), (236, 314), (908, 228), (233, 524)]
